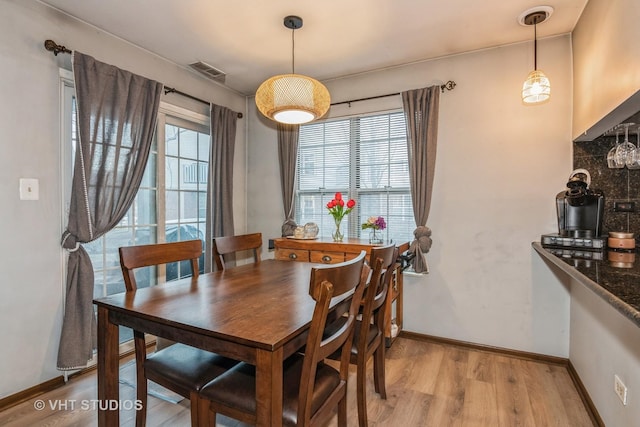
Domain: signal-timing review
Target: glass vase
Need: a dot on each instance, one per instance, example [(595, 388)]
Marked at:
[(375, 238), (337, 235)]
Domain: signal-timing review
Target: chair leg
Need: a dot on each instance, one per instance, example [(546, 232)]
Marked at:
[(361, 391), (201, 416), (141, 380), (141, 395), (141, 414), (379, 370), (212, 419), (194, 405), (342, 412)]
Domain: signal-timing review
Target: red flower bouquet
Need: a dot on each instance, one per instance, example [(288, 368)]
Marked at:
[(338, 208)]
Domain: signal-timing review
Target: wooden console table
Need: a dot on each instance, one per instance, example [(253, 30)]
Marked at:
[(326, 251)]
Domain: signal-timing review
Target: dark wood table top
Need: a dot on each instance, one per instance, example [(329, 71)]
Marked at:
[(262, 307), (258, 314)]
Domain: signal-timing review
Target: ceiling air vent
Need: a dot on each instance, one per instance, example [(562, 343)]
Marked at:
[(209, 71)]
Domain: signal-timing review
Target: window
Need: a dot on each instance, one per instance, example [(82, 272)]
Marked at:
[(169, 206), (186, 168), (364, 157), (180, 208)]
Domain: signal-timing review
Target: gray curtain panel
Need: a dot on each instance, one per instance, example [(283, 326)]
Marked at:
[(220, 180), (288, 136), (117, 113), (421, 113)]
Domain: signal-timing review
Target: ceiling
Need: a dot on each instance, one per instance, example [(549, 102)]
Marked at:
[(249, 43)]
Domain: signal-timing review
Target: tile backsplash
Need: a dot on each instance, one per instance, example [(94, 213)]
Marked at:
[(616, 184)]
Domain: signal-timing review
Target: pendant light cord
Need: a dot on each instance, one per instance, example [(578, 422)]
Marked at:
[(293, 51), (535, 44)]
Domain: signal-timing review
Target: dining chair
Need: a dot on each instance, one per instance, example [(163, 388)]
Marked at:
[(178, 367), (227, 245), (311, 388), (368, 337)]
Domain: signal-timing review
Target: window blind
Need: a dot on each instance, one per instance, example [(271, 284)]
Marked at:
[(365, 158)]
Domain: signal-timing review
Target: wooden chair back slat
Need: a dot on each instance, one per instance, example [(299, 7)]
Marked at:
[(132, 257), (388, 255), (223, 246)]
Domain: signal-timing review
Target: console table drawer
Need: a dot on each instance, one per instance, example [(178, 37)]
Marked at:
[(292, 255), (326, 257)]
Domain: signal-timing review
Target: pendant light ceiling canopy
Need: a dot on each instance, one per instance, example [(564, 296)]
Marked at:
[(536, 87), (292, 98)]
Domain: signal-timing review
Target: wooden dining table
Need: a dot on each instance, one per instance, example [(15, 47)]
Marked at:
[(258, 314)]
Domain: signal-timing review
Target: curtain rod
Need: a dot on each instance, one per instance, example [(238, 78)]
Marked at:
[(448, 86), (56, 48), (168, 89)]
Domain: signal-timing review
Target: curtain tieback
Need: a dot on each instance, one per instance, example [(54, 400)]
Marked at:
[(422, 239), (70, 245)]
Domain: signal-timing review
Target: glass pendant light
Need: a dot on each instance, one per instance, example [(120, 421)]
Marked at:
[(536, 87)]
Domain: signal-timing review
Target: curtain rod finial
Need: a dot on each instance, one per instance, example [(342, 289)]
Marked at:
[(448, 85), (54, 47)]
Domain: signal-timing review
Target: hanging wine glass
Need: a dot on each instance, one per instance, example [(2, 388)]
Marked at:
[(636, 163), (633, 157), (611, 155), (623, 150)]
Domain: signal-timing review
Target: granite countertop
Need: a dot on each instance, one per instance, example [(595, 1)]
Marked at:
[(618, 284)]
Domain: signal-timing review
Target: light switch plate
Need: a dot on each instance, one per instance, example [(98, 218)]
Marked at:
[(29, 189)]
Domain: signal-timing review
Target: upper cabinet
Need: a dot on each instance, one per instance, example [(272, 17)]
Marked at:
[(606, 67)]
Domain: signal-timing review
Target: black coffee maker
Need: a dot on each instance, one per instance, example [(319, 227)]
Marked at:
[(580, 209)]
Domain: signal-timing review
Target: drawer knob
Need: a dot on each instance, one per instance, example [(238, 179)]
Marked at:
[(326, 258), (293, 256)]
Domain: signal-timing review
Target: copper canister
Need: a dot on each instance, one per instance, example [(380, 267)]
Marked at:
[(621, 240)]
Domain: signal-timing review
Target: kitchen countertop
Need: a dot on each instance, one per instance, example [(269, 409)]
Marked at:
[(620, 287)]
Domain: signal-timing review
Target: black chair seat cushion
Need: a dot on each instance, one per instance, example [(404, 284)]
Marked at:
[(183, 368), (236, 388)]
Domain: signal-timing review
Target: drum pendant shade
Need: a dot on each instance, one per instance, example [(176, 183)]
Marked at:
[(292, 98)]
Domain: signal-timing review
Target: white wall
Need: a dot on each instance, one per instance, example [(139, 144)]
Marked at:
[(604, 343), (499, 166), (31, 295)]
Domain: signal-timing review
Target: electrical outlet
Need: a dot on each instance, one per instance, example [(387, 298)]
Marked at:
[(620, 389), (624, 206)]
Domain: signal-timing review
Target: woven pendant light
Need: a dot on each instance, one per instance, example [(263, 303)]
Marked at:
[(292, 98)]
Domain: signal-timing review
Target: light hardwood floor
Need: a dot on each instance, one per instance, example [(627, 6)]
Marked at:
[(428, 384)]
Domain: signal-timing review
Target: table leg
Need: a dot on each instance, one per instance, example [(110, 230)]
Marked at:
[(108, 361), (269, 388)]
